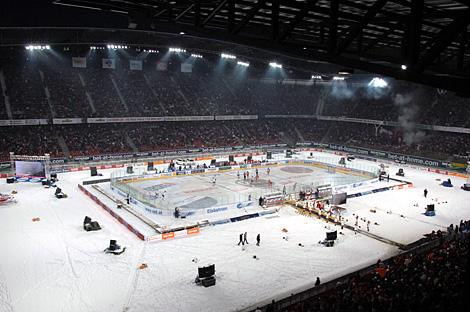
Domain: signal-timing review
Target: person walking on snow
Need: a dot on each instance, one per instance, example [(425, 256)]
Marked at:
[(317, 282), (245, 239), (241, 240), (258, 239)]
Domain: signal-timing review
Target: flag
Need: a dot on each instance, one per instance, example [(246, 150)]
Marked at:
[(162, 66), (135, 65), (108, 63), (79, 62), (186, 68)]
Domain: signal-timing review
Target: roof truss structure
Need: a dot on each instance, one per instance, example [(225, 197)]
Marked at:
[(428, 36)]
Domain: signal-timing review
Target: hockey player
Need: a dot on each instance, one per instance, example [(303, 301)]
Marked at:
[(238, 175), (425, 193), (268, 171), (258, 239), (214, 180)]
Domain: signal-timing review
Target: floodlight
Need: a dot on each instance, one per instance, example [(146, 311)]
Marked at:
[(227, 56), (275, 65), (246, 64), (378, 83), (177, 50)]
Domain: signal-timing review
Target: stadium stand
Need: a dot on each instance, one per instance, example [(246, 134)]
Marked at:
[(433, 280)]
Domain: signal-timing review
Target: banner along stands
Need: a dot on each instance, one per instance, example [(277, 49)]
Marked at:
[(400, 158)]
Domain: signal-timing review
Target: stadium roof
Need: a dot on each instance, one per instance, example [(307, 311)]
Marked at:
[(430, 37)]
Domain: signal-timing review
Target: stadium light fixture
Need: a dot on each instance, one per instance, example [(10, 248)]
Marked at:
[(182, 33), (316, 77), (196, 55), (275, 65), (377, 82), (228, 56), (177, 50), (115, 47), (404, 67), (245, 64), (338, 78), (38, 47)]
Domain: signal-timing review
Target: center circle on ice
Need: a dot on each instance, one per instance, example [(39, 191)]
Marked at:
[(296, 169)]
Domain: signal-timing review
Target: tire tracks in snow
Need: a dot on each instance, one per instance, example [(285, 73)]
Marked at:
[(6, 304), (134, 278)]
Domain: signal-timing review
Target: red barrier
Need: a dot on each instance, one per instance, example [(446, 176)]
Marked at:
[(112, 213)]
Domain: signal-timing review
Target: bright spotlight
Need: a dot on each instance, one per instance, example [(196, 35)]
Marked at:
[(48, 47), (404, 67), (338, 78), (317, 77), (196, 55), (177, 50), (246, 64), (275, 65), (378, 83), (228, 56), (182, 33)]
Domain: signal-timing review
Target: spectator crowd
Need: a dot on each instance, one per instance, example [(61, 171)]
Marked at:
[(45, 87), (109, 138), (433, 280)]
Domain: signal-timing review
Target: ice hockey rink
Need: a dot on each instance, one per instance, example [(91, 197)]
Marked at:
[(215, 191), (54, 265)]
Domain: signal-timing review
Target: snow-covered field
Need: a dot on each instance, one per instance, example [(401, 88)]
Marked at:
[(53, 265)]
